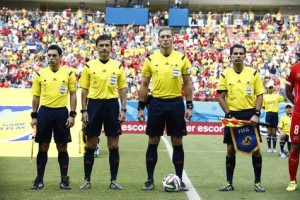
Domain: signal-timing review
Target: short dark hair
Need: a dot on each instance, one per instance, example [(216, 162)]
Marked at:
[(237, 46), (55, 47), (104, 37), (288, 105), (164, 29)]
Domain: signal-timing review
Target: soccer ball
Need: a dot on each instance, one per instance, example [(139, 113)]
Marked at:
[(171, 183)]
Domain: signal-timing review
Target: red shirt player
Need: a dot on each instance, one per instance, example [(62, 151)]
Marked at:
[(292, 89)]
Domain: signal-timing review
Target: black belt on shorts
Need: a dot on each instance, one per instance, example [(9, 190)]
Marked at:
[(168, 100), (102, 100), (53, 108)]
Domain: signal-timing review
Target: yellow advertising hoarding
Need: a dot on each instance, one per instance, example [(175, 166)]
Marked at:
[(15, 129)]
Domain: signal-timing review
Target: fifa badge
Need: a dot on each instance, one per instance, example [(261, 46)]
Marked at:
[(62, 89), (175, 73), (113, 80), (248, 90)]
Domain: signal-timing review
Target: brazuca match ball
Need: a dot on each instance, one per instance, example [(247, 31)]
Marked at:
[(171, 183)]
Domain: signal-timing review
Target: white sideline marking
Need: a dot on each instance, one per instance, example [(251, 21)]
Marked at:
[(192, 193)]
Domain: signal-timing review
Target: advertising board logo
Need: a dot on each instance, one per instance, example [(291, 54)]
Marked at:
[(14, 123)]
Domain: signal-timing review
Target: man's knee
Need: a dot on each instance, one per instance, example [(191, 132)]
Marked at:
[(91, 142), (176, 141), (230, 150), (154, 139), (256, 153), (61, 147), (113, 142), (43, 147)]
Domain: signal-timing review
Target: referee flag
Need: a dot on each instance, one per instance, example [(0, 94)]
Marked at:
[(232, 122), (32, 144)]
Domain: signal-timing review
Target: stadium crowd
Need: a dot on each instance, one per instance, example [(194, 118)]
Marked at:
[(271, 41)]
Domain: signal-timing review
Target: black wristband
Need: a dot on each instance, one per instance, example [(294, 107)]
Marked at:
[(82, 111), (73, 114), (34, 115), (124, 110), (257, 113), (141, 105), (189, 105), (228, 115)]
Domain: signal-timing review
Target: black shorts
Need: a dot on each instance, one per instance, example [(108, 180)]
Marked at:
[(167, 113), (244, 115), (103, 111), (272, 119), (53, 120)]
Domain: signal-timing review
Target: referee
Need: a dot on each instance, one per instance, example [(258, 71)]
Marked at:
[(169, 70), (50, 90), (103, 81), (240, 95)]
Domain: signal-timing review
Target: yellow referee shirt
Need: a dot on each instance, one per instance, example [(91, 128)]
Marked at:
[(271, 102), (166, 73), (285, 124), (52, 87), (103, 80), (241, 88)]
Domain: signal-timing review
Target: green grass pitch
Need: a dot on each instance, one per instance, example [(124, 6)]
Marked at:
[(204, 165)]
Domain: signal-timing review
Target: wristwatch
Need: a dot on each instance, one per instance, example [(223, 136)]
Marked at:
[(82, 111), (257, 113), (124, 110), (73, 114)]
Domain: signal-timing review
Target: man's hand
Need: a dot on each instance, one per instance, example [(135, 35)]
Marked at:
[(282, 136), (85, 119), (141, 116), (254, 120), (70, 122), (33, 122), (122, 116), (188, 114)]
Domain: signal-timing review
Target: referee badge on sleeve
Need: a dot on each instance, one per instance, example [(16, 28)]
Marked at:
[(62, 89), (175, 73), (113, 80)]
